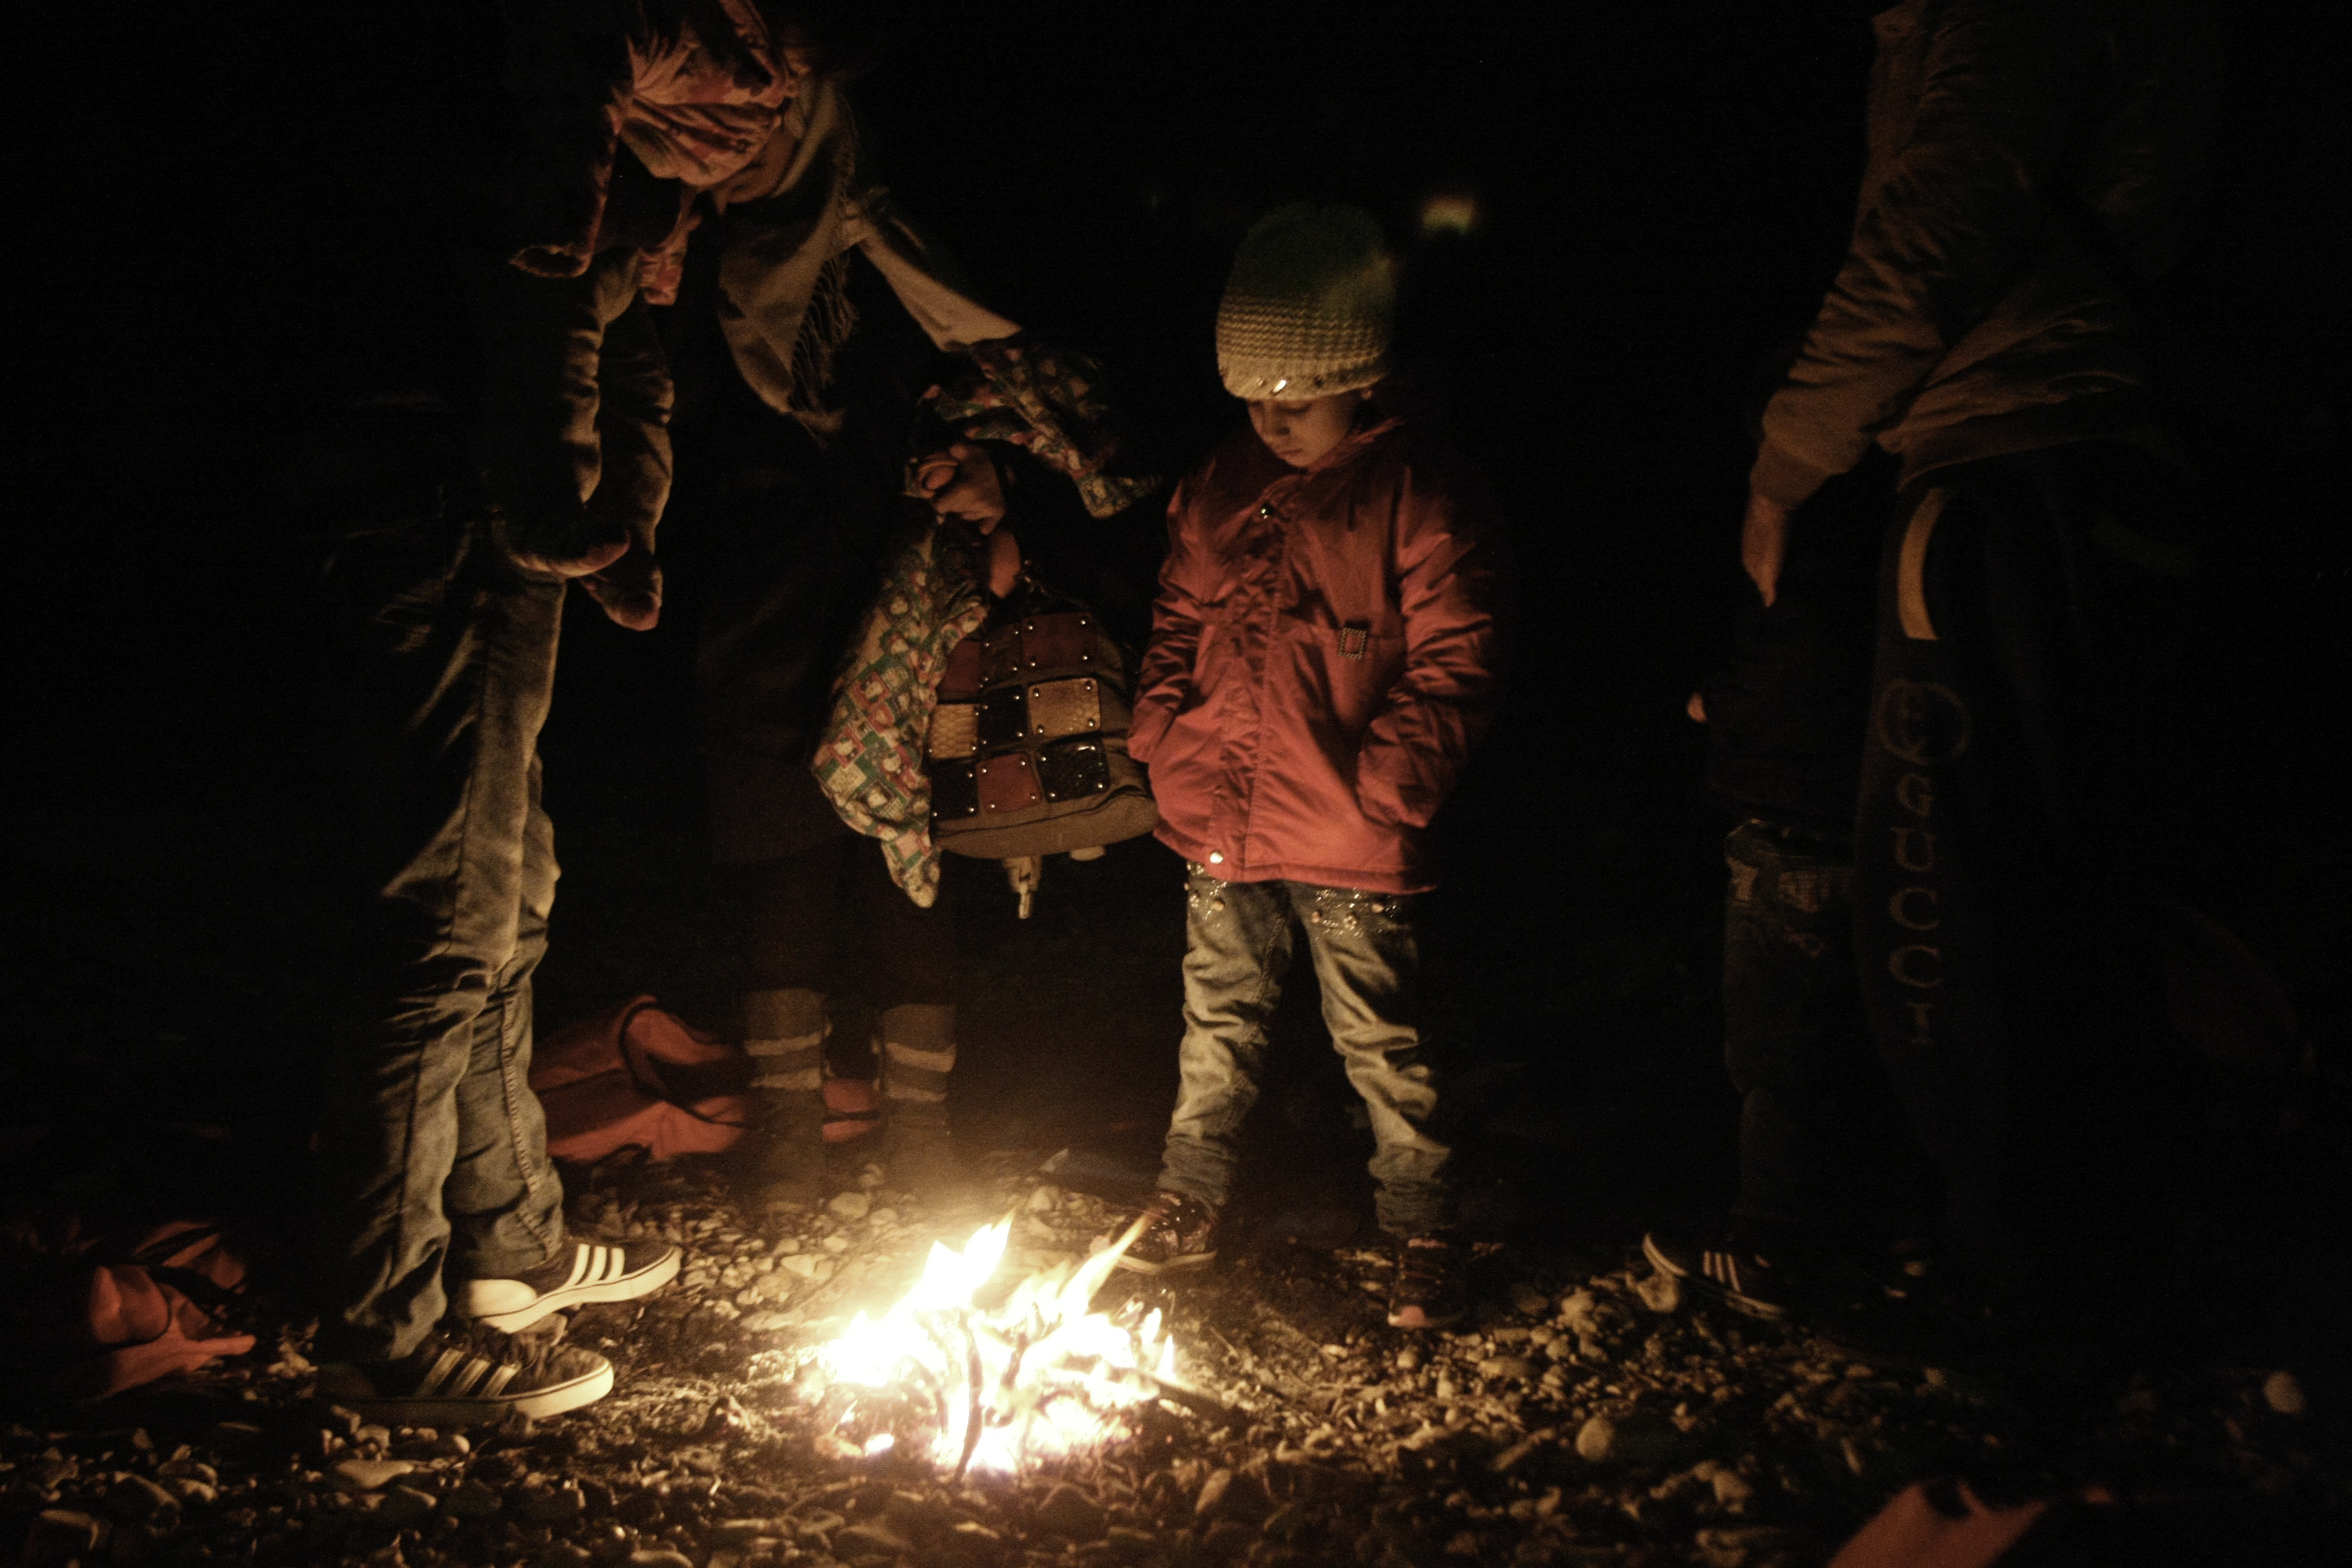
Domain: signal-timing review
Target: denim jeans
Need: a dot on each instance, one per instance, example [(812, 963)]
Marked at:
[(1239, 938), (1822, 1148), (433, 1150)]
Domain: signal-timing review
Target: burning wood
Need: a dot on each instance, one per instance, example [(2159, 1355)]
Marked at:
[(1045, 1375)]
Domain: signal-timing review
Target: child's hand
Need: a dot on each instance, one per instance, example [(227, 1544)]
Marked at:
[(1004, 562), (963, 482)]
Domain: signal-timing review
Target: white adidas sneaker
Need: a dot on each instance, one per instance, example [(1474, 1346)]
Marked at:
[(468, 1376), (589, 1271)]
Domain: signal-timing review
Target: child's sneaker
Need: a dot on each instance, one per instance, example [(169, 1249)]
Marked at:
[(1179, 1231), (588, 1272), (1431, 1290), (1740, 1277), (468, 1376)]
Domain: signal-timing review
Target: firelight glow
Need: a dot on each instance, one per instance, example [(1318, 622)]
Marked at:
[(1042, 1375), (1449, 211)]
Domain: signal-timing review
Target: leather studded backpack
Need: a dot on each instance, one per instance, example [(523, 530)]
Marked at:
[(1027, 751)]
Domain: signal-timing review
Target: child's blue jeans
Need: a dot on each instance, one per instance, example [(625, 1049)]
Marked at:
[(1239, 938)]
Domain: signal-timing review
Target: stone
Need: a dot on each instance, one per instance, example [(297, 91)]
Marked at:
[(1068, 1512), (915, 1516), (766, 1322), (1505, 1366), (1041, 1200), (2282, 1392), (657, 1557), (141, 1501), (369, 1475), (402, 1506), (234, 1436), (1596, 1440), (1576, 1311), (1228, 1495), (563, 1554), (867, 1538), (1229, 1538), (1287, 1522), (449, 1445), (815, 1526), (373, 1435), (1645, 1437), (560, 1506), (62, 1534), (736, 1531), (1129, 1544), (1527, 1301), (1407, 1359), (470, 1499), (850, 1206), (1559, 1350), (1659, 1292), (808, 1265), (1732, 1490)]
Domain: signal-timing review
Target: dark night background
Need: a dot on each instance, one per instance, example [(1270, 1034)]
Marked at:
[(228, 288)]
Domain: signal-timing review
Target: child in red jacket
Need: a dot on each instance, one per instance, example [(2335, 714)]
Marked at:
[(1323, 651)]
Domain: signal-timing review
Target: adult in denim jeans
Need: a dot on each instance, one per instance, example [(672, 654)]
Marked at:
[(436, 1179)]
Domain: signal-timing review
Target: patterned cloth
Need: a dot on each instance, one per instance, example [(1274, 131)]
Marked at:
[(1046, 401), (696, 102), (871, 762), (870, 765)]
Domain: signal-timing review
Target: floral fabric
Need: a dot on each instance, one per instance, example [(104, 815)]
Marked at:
[(1046, 402), (870, 765)]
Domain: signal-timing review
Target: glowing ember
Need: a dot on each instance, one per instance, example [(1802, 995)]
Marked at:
[(1044, 1373)]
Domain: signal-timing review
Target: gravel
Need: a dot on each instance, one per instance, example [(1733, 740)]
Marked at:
[(1578, 1417)]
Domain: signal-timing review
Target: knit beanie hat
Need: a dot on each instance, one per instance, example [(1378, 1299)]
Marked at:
[(1307, 309)]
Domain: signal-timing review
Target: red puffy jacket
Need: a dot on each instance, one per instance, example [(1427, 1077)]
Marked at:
[(1323, 651)]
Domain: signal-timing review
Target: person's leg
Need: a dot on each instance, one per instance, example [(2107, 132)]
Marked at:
[(454, 665), (909, 978), (503, 1198), (1237, 947), (1793, 1038), (1368, 962), (2008, 977), (794, 906)]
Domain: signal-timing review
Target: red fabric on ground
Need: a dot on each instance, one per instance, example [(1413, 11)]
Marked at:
[(90, 1329), (635, 1076)]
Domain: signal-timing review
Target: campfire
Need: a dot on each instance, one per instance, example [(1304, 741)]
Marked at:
[(972, 1388)]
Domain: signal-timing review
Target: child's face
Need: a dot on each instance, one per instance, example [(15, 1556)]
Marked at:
[(1301, 432)]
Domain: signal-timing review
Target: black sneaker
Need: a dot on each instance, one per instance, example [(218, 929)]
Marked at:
[(1431, 1290), (1179, 1231), (466, 1376), (1738, 1275), (586, 1271)]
